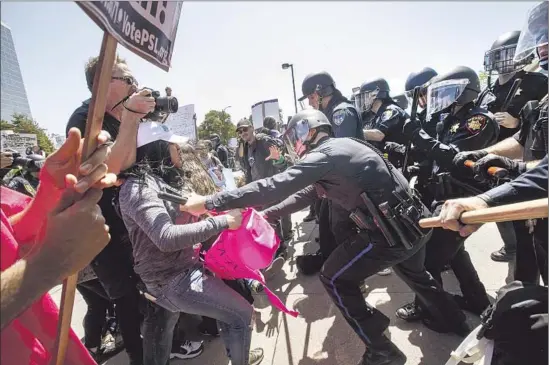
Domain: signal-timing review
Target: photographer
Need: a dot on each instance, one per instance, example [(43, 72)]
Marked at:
[(113, 266)]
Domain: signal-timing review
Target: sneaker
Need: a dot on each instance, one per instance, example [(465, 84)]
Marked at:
[(256, 286), (256, 356), (409, 312), (309, 218), (502, 255), (385, 272), (188, 350), (275, 267)]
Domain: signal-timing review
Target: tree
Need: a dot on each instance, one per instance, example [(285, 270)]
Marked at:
[(483, 77), (20, 123), (217, 122)]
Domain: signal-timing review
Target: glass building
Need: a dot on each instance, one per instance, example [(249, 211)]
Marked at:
[(13, 94)]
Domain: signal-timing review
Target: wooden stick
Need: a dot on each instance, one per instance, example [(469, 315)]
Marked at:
[(505, 213), (94, 124)]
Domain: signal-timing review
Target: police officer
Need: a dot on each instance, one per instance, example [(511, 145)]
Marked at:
[(321, 93), (221, 152), (530, 142), (383, 118), (462, 126), (354, 176), (533, 86), (421, 79)]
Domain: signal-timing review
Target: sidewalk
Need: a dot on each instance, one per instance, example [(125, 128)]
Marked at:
[(321, 336)]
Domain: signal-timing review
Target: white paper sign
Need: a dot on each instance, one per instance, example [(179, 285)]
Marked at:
[(183, 123), (265, 109), (147, 28), (18, 141)]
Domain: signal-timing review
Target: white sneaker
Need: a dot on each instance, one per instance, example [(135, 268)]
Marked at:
[(385, 272), (188, 350)]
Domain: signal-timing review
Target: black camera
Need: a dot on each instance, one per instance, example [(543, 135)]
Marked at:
[(164, 105), (29, 164)]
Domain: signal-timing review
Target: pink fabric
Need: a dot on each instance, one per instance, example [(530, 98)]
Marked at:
[(30, 338), (241, 253)]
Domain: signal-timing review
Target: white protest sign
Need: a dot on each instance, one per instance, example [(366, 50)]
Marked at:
[(183, 122), (267, 108), (147, 28), (233, 142), (18, 141)]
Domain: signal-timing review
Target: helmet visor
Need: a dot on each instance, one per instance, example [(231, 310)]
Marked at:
[(441, 95), (365, 100), (422, 101), (501, 60), (294, 139), (533, 33), (487, 99)]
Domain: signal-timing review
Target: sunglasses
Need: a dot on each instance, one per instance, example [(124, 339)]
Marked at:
[(130, 80), (242, 130)]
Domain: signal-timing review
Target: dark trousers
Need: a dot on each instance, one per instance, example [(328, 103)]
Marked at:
[(99, 306), (114, 269), (448, 247), (507, 232), (160, 334), (326, 239), (362, 256), (531, 257)]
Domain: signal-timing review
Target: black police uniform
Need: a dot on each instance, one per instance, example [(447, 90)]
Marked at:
[(344, 118), (23, 185), (471, 128), (532, 240), (389, 119), (340, 169)]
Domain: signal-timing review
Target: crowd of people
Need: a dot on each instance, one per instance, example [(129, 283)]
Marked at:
[(368, 171)]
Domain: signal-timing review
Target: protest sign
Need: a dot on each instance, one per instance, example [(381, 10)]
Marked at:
[(147, 28), (265, 109), (183, 122), (232, 143), (18, 142)]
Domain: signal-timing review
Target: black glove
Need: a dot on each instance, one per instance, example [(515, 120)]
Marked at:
[(474, 156), (393, 148), (410, 127), (515, 168)]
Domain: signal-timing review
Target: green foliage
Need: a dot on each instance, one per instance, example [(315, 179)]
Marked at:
[(22, 124), (217, 122), (483, 77)]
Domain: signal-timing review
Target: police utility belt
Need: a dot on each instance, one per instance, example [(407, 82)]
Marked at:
[(398, 224)]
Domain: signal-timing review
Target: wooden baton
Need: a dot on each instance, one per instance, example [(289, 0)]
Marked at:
[(505, 213), (494, 171), (94, 124)]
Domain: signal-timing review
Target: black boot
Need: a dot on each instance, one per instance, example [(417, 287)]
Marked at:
[(383, 353), (310, 264)]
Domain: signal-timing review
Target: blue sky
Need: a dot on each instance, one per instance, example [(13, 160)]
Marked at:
[(229, 53)]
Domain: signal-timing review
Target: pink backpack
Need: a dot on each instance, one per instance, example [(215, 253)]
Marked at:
[(241, 253)]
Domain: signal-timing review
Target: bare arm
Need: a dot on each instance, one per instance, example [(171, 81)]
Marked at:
[(123, 151), (509, 148), (374, 135), (24, 282)]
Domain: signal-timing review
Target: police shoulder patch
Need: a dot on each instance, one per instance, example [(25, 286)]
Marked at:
[(339, 117), (388, 114), (476, 123)]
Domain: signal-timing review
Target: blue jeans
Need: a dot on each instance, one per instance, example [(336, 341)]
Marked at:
[(158, 329), (195, 292)]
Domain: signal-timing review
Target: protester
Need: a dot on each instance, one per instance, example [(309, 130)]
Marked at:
[(164, 256), (113, 267), (29, 316), (220, 150)]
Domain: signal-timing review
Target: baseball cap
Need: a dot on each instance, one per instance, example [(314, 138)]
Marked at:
[(151, 132), (244, 123)]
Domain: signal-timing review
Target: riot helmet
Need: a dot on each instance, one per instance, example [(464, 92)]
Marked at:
[(320, 83), (369, 92), (533, 37), (419, 79), (297, 139), (457, 87), (500, 56)]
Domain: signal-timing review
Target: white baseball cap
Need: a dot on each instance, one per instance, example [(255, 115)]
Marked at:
[(151, 131)]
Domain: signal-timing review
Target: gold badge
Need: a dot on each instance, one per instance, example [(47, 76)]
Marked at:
[(476, 123), (454, 128)]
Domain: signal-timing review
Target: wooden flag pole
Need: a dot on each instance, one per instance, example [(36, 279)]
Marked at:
[(94, 124), (532, 209)]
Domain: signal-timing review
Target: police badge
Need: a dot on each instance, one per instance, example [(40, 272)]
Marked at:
[(339, 117), (387, 114)]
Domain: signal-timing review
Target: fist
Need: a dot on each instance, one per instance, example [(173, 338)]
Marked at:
[(140, 102), (234, 218), (461, 157), (74, 232)]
